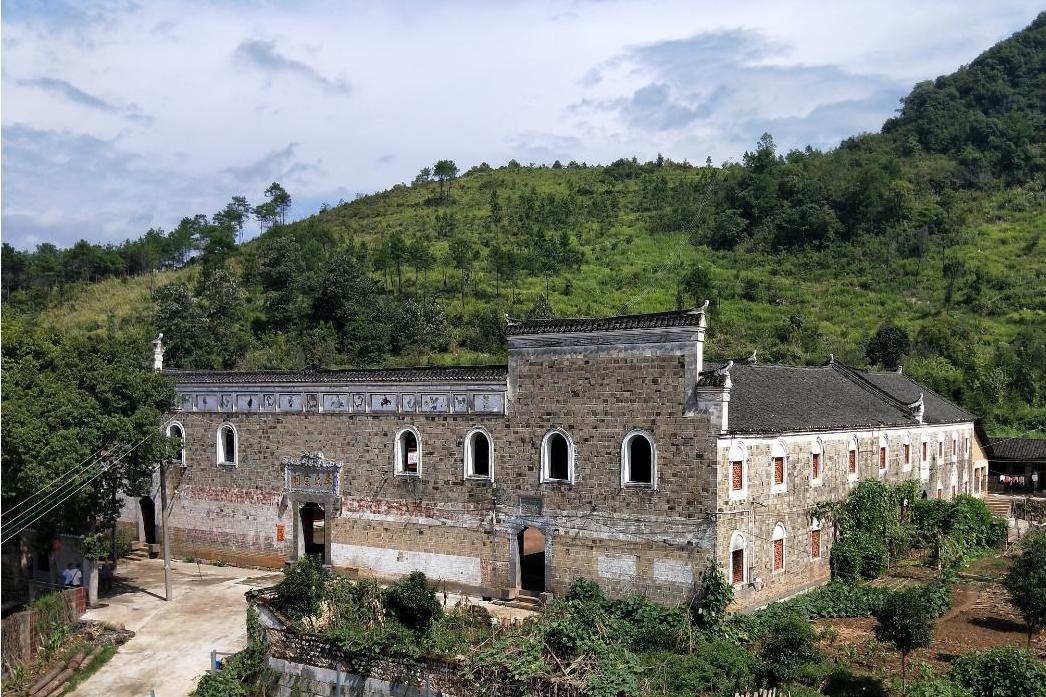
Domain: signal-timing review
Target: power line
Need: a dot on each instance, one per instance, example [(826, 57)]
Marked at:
[(79, 488), (76, 469), (70, 483)]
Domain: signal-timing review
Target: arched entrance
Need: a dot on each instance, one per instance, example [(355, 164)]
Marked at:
[(148, 508), (531, 545), (314, 533)]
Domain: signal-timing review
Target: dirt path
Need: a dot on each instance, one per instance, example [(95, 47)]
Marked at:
[(172, 643)]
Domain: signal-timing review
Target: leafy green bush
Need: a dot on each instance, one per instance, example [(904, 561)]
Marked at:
[(1026, 583), (789, 648), (645, 625), (300, 592), (412, 601), (937, 597), (354, 602), (714, 595), (714, 667), (1001, 672)]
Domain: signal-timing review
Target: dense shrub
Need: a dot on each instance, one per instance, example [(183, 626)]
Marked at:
[(1001, 672), (789, 648), (300, 592), (714, 667), (645, 625), (1026, 583), (937, 597), (412, 601), (714, 595)]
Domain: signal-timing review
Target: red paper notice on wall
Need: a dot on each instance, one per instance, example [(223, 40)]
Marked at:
[(279, 532)]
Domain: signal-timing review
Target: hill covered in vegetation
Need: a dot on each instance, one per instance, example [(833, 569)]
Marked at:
[(919, 245)]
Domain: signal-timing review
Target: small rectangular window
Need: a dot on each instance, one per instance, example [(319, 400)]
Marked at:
[(815, 544), (779, 554), (924, 452), (737, 482), (907, 454), (779, 470), (851, 462), (882, 458), (737, 566), (815, 466)]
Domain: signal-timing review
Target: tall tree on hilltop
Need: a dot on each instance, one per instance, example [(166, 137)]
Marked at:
[(280, 199), (445, 171), (463, 254), (421, 256)]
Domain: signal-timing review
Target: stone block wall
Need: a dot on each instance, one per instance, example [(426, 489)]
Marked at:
[(463, 530)]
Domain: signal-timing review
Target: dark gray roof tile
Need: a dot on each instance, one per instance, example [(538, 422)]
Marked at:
[(448, 374), (572, 325)]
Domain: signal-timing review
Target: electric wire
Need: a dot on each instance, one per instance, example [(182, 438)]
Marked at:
[(64, 488), (105, 468), (75, 471)]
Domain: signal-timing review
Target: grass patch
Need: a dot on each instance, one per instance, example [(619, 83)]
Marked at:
[(91, 668)]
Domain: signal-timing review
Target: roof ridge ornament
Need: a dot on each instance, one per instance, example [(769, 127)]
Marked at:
[(918, 408), (511, 320), (699, 310), (751, 359), (831, 358), (900, 370)]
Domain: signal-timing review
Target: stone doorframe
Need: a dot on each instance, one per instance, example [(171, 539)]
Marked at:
[(312, 478), (517, 526), (296, 501)]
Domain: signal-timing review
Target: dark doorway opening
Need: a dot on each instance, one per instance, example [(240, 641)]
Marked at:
[(531, 544), (314, 534), (148, 519)]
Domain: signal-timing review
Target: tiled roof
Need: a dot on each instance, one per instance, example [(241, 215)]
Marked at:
[(938, 410), (452, 374), (772, 398), (657, 320), (767, 398), (1018, 449)]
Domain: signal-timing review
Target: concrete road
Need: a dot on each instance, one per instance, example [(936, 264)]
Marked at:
[(173, 640)]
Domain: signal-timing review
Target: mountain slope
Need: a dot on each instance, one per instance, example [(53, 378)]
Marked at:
[(934, 225)]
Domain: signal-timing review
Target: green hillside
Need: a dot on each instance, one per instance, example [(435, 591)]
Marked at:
[(934, 226)]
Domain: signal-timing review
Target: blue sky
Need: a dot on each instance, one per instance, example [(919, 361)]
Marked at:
[(120, 116)]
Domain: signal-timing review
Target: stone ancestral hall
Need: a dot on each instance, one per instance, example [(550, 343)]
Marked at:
[(608, 449)]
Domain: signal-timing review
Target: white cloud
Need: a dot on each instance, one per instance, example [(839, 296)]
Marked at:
[(126, 115)]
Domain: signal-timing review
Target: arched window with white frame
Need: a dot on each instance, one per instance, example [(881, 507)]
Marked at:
[(906, 453), (228, 446), (738, 559), (778, 468), (407, 452), (738, 458), (638, 460), (479, 455), (777, 541), (815, 539), (924, 458), (557, 457), (851, 460), (176, 431), (816, 463)]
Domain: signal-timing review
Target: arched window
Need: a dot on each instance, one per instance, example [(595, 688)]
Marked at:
[(851, 460), (779, 467), (557, 457), (884, 453), (738, 471), (955, 446), (816, 463), (408, 452), (638, 460), (778, 542), (228, 445), (175, 430), (954, 482), (815, 539), (479, 455), (906, 453), (738, 559)]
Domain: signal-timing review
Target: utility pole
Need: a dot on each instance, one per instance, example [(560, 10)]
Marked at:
[(163, 522)]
